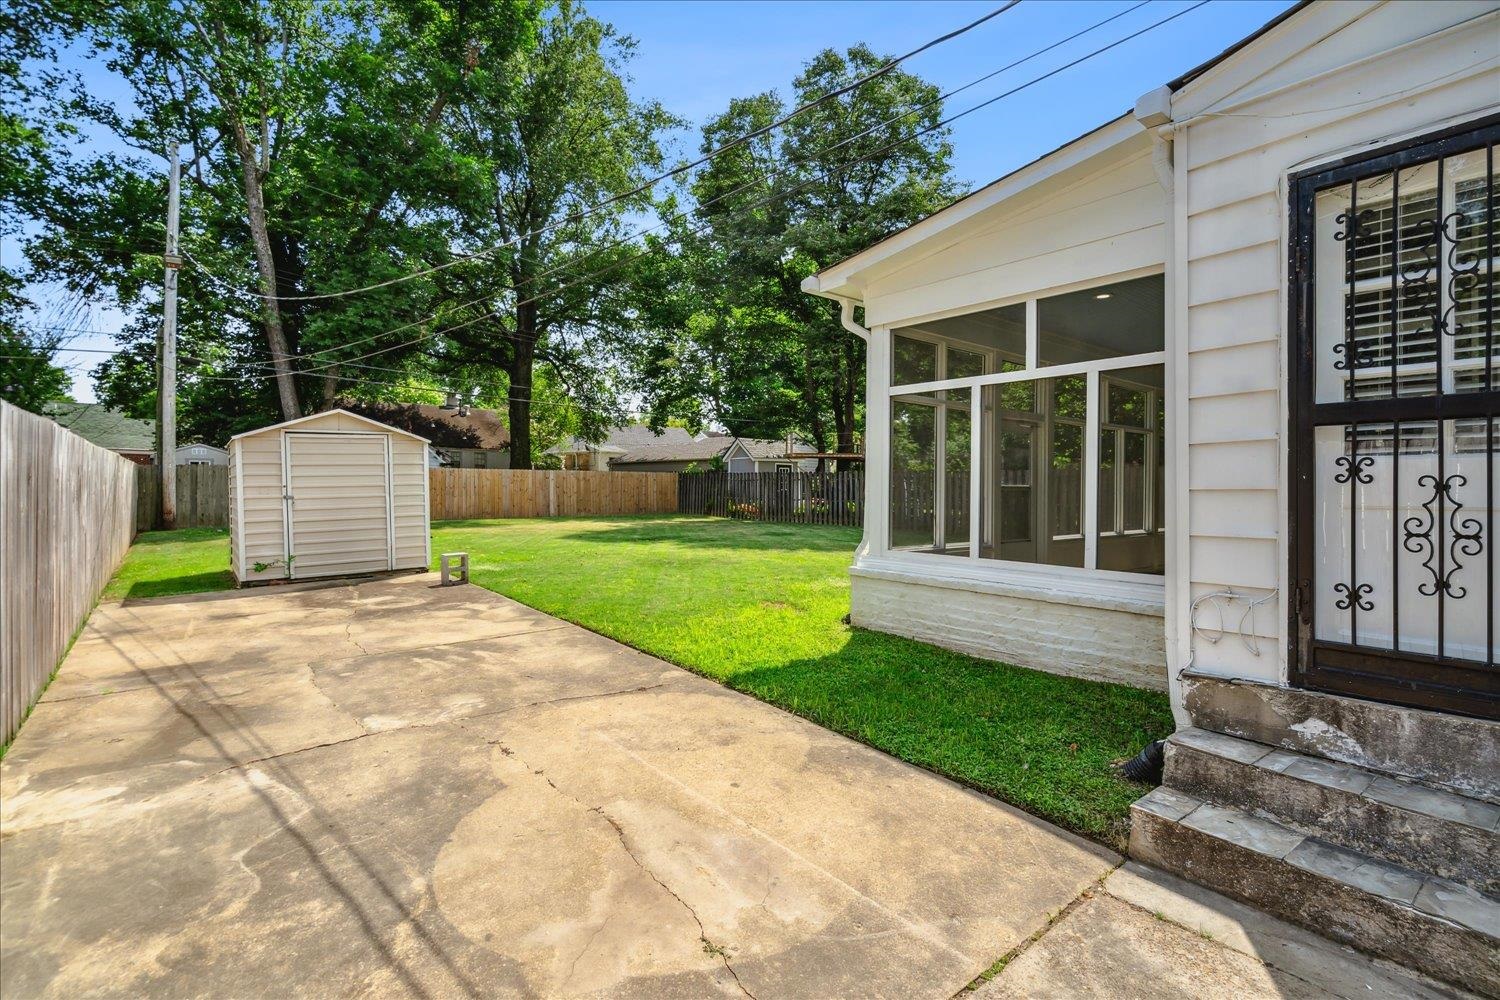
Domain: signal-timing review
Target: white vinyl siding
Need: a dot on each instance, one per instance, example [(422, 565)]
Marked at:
[(342, 469), (409, 501), (263, 536), (339, 508), (1106, 222), (1336, 78), (235, 521)]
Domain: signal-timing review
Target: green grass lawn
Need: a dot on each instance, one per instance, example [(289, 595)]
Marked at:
[(758, 607), (164, 563)]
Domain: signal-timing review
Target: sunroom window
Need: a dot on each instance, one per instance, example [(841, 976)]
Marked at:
[(1033, 433)]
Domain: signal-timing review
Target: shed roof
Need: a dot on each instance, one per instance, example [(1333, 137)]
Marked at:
[(374, 425), (104, 427)]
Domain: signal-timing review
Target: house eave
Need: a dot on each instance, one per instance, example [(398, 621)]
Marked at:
[(848, 278)]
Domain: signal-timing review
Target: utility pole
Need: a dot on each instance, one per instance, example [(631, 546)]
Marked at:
[(166, 389)]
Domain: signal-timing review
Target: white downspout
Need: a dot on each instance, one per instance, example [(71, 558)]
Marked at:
[(846, 318), (1154, 112)]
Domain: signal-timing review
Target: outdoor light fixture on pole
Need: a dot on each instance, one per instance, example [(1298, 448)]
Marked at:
[(166, 389)]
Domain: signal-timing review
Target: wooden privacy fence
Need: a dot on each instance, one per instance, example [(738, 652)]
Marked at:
[(202, 496), (465, 493), (67, 517), (794, 497)]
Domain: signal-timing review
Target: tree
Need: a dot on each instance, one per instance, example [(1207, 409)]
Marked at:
[(552, 132), (315, 164), (28, 378), (736, 339)]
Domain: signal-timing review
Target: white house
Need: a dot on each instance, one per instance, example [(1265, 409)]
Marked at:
[(1171, 406), (201, 454)]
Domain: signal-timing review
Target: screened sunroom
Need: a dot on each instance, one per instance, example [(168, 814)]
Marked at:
[(1066, 467), (1019, 472)]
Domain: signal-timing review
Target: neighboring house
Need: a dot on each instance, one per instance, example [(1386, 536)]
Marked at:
[(738, 454), (133, 438), (580, 455), (201, 454), (468, 458), (492, 450), (1161, 408), (762, 455)]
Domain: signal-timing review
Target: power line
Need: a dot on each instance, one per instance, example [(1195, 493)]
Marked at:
[(754, 205), (569, 265), (777, 195), (652, 182)]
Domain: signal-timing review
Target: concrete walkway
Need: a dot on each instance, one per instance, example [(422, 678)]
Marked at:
[(393, 788), (398, 789)]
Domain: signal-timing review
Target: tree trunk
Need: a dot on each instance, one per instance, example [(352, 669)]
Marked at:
[(286, 387), (330, 387), (522, 359), (844, 407)]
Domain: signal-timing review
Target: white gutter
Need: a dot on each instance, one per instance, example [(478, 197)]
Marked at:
[(846, 317)]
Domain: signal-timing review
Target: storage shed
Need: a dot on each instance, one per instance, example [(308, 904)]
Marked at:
[(332, 494)]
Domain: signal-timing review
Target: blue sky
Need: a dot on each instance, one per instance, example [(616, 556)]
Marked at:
[(694, 57)]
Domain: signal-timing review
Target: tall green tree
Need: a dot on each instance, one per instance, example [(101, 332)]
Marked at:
[(737, 341), (315, 164), (551, 134)]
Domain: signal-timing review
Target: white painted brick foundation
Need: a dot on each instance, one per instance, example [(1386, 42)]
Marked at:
[(1103, 644)]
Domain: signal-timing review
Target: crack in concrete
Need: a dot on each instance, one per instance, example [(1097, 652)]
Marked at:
[(349, 635), (708, 946)]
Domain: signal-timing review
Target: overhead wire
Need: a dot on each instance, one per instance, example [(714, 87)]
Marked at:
[(629, 238), (774, 196), (791, 191), (647, 185)]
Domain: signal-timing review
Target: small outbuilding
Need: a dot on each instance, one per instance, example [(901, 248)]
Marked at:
[(333, 494)]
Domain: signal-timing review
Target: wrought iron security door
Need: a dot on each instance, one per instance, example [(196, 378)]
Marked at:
[(1395, 419)]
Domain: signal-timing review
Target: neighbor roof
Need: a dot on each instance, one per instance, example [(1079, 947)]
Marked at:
[(622, 439), (488, 425), (706, 449), (767, 448), (690, 450), (105, 427)]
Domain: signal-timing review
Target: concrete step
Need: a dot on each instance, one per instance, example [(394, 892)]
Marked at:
[(1434, 925), (1455, 752), (1416, 826)]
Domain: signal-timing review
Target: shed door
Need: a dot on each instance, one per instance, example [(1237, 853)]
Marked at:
[(1396, 402), (338, 500)]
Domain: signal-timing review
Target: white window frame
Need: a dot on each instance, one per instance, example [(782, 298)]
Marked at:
[(1094, 372)]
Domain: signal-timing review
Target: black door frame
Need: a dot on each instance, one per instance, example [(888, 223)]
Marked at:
[(1424, 681)]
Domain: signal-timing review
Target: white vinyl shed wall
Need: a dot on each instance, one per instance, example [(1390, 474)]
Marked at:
[(358, 499), (1336, 78)]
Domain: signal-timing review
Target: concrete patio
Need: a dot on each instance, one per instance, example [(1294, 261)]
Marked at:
[(391, 788)]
